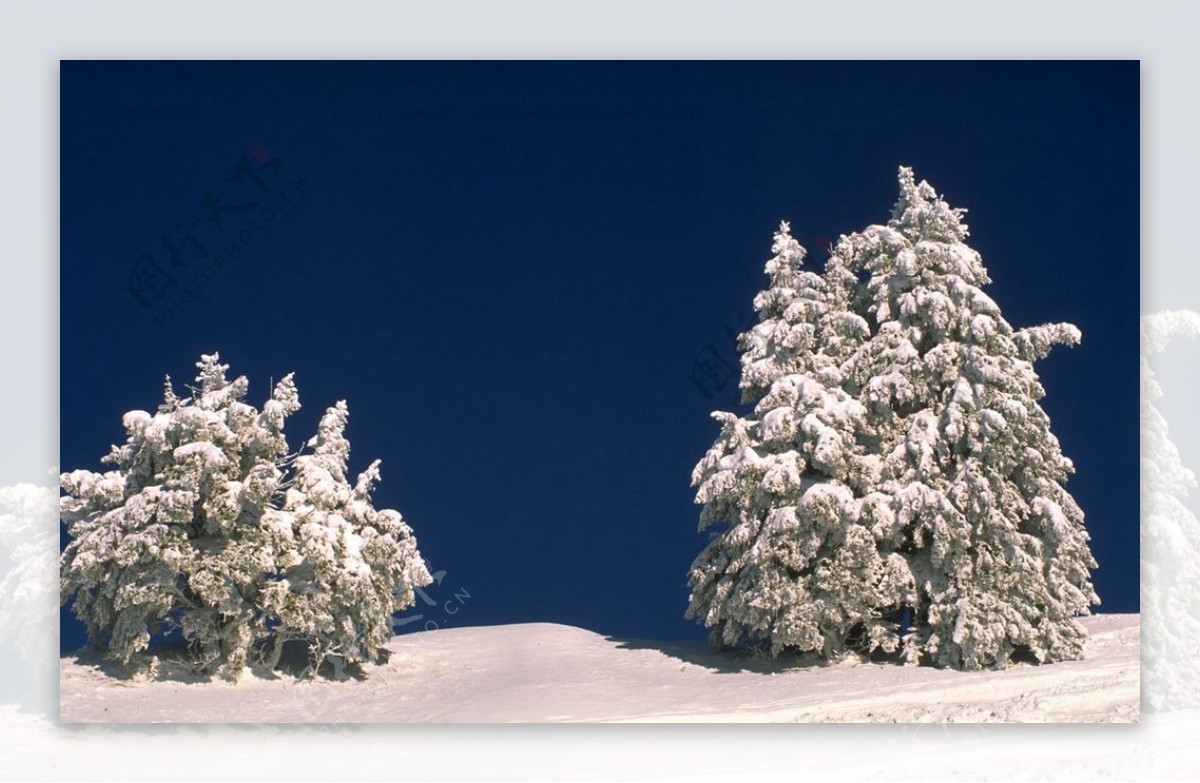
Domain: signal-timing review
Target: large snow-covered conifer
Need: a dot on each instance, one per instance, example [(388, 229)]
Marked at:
[(897, 463), (1170, 539), (996, 543), (208, 525)]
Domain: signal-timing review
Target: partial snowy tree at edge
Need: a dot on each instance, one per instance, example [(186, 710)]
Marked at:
[(1170, 539)]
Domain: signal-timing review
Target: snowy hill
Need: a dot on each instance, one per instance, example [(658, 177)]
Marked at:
[(544, 672)]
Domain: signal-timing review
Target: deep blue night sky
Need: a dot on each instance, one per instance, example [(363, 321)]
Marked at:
[(508, 269)]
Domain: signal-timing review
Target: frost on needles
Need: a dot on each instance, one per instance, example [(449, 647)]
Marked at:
[(897, 487), (210, 526)]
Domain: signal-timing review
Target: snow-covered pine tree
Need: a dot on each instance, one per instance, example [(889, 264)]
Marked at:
[(796, 566), (348, 567), (184, 533), (1170, 539), (979, 510), (170, 538)]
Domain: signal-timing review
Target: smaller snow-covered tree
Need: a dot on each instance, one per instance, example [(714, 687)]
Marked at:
[(346, 567), (797, 566), (187, 533)]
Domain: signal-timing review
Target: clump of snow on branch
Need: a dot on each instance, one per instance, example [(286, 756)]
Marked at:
[(896, 466), (209, 526), (1170, 539)]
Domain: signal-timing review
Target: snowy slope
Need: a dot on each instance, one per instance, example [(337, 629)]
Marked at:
[(543, 672)]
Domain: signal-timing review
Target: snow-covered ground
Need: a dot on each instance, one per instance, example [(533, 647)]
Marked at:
[(544, 672)]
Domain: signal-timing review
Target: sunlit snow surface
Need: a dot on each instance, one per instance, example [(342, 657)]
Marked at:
[(543, 672)]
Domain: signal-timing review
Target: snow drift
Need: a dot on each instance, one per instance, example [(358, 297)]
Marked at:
[(544, 672)]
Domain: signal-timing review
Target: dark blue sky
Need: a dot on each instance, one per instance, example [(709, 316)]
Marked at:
[(508, 269)]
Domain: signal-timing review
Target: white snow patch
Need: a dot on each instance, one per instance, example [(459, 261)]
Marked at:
[(210, 454), (136, 420)]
